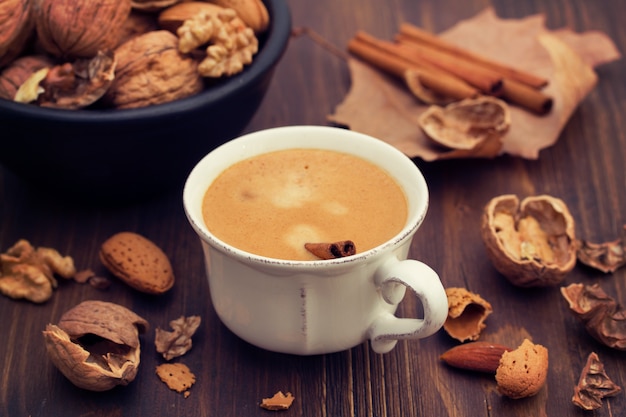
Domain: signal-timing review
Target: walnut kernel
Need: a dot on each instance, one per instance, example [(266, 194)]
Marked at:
[(231, 44), (29, 273)]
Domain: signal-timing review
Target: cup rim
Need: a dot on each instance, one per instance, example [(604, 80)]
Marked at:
[(247, 146)]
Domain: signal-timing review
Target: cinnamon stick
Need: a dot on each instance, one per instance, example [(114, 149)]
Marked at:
[(381, 55), (512, 90), (418, 35), (490, 82), (331, 250), (525, 96)]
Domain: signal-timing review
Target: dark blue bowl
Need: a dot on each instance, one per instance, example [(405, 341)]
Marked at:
[(128, 154)]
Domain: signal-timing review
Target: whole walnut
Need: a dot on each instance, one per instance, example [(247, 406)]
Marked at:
[(79, 28), (16, 26), (150, 70)]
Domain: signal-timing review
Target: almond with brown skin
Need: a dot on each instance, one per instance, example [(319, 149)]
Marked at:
[(173, 17), (252, 12), (138, 262), (476, 356)]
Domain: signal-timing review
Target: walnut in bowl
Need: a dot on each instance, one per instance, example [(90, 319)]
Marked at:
[(109, 153)]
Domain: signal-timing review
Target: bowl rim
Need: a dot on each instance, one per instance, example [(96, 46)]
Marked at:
[(275, 43)]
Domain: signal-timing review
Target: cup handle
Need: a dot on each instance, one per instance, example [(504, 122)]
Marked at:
[(393, 278)]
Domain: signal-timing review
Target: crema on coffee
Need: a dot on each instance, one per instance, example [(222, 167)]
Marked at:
[(274, 203)]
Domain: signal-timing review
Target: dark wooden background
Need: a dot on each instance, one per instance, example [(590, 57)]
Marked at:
[(585, 168)]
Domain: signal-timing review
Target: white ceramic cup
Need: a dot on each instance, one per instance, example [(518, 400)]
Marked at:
[(316, 307)]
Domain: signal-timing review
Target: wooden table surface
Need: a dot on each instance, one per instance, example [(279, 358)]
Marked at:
[(585, 168)]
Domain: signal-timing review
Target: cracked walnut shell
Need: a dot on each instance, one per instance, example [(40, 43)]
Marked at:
[(475, 126), (467, 313), (532, 242), (96, 344), (20, 70)]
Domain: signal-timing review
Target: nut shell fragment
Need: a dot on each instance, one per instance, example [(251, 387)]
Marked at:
[(522, 372), (467, 313), (532, 242), (96, 345), (473, 125), (603, 317), (279, 401), (593, 385), (16, 73), (71, 85), (177, 376), (606, 257)]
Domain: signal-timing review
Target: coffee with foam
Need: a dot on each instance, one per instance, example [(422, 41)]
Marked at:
[(274, 203)]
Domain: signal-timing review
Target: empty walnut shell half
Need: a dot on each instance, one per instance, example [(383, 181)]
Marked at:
[(96, 345), (472, 125), (532, 242), (467, 313)]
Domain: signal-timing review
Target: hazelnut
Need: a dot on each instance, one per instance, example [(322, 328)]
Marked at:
[(96, 345), (532, 242)]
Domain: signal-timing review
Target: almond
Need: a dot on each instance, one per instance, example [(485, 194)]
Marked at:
[(138, 262), (252, 12), (173, 17), (476, 356)]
